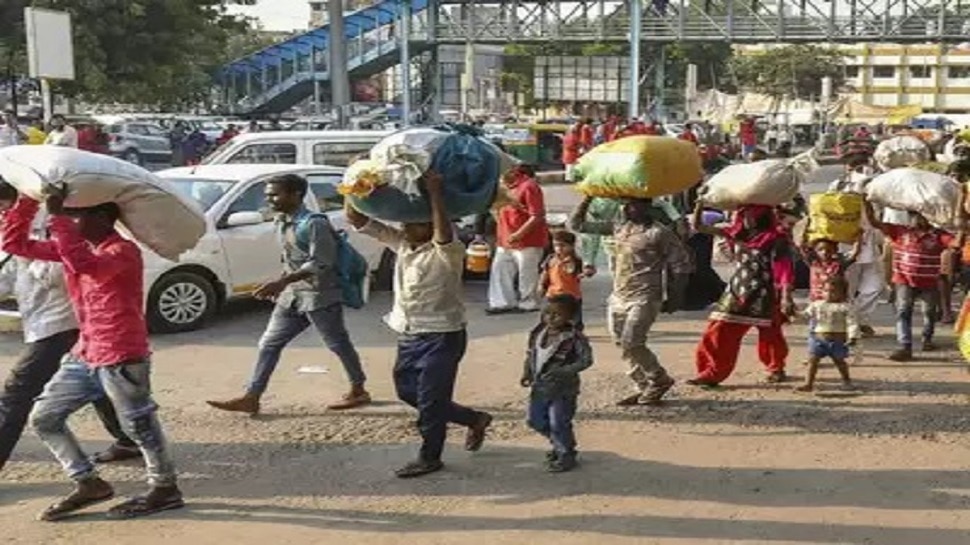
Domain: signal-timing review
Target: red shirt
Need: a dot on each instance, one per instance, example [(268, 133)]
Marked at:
[(748, 135), (103, 281), (586, 137), (689, 136), (821, 272), (510, 219), (917, 254), (571, 147)]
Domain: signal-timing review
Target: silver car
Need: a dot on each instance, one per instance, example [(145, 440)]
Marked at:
[(139, 142)]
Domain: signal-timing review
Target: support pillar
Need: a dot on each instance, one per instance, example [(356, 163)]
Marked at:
[(405, 48), (636, 22), (337, 49)]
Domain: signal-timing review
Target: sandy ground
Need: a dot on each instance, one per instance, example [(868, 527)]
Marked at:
[(747, 464)]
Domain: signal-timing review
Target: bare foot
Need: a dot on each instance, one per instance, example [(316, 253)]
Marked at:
[(805, 388)]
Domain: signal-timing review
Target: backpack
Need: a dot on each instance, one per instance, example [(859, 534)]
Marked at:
[(352, 268)]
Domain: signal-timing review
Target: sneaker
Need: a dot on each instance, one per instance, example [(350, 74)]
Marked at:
[(655, 393), (903, 353)]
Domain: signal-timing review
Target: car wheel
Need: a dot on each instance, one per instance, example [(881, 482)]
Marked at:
[(132, 156), (384, 275), (180, 301)]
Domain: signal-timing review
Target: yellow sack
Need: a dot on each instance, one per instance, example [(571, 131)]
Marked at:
[(835, 216), (962, 330), (639, 167)]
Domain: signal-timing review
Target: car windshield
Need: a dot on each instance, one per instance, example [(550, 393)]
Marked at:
[(206, 192)]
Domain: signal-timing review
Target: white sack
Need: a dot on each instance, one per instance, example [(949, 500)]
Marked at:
[(901, 151), (933, 195), (771, 182), (151, 209)]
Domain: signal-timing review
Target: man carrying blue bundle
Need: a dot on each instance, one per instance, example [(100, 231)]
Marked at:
[(429, 316)]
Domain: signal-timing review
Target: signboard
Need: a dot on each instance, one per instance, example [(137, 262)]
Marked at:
[(50, 44), (582, 79)]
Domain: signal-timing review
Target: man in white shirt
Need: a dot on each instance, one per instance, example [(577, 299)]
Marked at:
[(50, 331), (865, 277), (61, 133), (429, 316), (10, 132)]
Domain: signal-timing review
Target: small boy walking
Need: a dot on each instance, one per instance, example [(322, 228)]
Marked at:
[(562, 271), (556, 354), (832, 319)]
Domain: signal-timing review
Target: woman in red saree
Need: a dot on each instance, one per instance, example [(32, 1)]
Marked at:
[(757, 295)]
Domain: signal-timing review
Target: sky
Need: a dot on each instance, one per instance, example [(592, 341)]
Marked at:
[(278, 14)]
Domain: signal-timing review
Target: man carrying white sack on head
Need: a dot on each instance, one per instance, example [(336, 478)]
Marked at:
[(865, 277)]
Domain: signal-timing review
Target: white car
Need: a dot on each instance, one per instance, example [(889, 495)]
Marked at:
[(240, 248)]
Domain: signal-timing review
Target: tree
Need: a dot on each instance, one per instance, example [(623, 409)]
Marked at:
[(794, 70), (159, 52)]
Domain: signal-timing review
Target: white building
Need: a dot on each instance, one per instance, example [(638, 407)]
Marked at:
[(934, 76)]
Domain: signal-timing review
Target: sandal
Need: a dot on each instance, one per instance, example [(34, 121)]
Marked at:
[(88, 492), (418, 468), (116, 453), (157, 500)]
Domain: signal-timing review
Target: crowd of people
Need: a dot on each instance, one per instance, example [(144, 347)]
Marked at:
[(79, 287), (58, 132)]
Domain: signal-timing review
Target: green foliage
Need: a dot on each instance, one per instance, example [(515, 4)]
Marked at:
[(159, 52), (795, 70)]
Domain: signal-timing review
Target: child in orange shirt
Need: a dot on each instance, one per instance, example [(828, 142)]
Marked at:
[(562, 271)]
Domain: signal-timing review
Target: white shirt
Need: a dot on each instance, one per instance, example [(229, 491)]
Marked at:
[(66, 137), (41, 294), (427, 283), (11, 136)]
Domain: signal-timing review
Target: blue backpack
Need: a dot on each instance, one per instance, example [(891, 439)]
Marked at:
[(352, 268)]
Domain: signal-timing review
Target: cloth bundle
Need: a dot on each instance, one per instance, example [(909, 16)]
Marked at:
[(771, 182), (901, 151), (152, 211), (639, 167), (933, 195), (835, 216), (387, 185)]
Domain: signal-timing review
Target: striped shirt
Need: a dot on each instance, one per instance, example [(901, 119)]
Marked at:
[(917, 254)]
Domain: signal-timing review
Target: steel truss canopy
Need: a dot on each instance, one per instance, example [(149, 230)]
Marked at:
[(737, 21)]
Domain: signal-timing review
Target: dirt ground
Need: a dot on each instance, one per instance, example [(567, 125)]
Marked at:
[(748, 464)]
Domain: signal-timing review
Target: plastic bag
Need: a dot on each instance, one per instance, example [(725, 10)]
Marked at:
[(835, 216), (901, 151), (935, 196), (639, 167), (153, 211), (387, 185), (772, 182)]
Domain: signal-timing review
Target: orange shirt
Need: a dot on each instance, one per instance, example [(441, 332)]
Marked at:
[(564, 275)]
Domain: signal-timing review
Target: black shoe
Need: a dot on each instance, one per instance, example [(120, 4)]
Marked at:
[(562, 464), (418, 468), (551, 456), (903, 353)]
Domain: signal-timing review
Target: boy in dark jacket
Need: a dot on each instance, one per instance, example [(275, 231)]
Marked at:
[(556, 353)]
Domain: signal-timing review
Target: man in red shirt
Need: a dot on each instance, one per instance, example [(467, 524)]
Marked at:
[(104, 274), (688, 134), (748, 136), (522, 238), (917, 255)]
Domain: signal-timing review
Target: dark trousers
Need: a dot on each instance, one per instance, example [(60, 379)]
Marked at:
[(424, 376), (38, 363), (553, 419)]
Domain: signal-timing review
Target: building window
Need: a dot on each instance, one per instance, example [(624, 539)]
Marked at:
[(920, 71), (959, 72), (882, 71), (851, 72)]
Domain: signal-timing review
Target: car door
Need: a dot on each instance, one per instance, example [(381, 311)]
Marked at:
[(253, 252), (339, 154), (160, 146)]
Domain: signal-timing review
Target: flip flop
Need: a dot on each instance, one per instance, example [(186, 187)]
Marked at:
[(70, 505)]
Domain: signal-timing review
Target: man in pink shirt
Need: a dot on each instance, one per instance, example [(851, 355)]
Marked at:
[(111, 359)]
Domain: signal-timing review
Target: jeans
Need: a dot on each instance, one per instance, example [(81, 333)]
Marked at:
[(38, 363), (906, 297), (424, 376), (553, 419), (128, 388), (285, 324)]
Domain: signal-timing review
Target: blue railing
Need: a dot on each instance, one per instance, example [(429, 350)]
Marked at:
[(280, 76)]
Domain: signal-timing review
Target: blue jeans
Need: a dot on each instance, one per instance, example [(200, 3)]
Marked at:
[(553, 419), (424, 376), (906, 297), (285, 324), (128, 387)]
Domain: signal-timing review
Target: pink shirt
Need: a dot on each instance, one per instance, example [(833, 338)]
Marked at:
[(104, 282)]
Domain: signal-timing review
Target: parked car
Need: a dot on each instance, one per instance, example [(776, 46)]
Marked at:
[(139, 142), (240, 249), (335, 148)]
